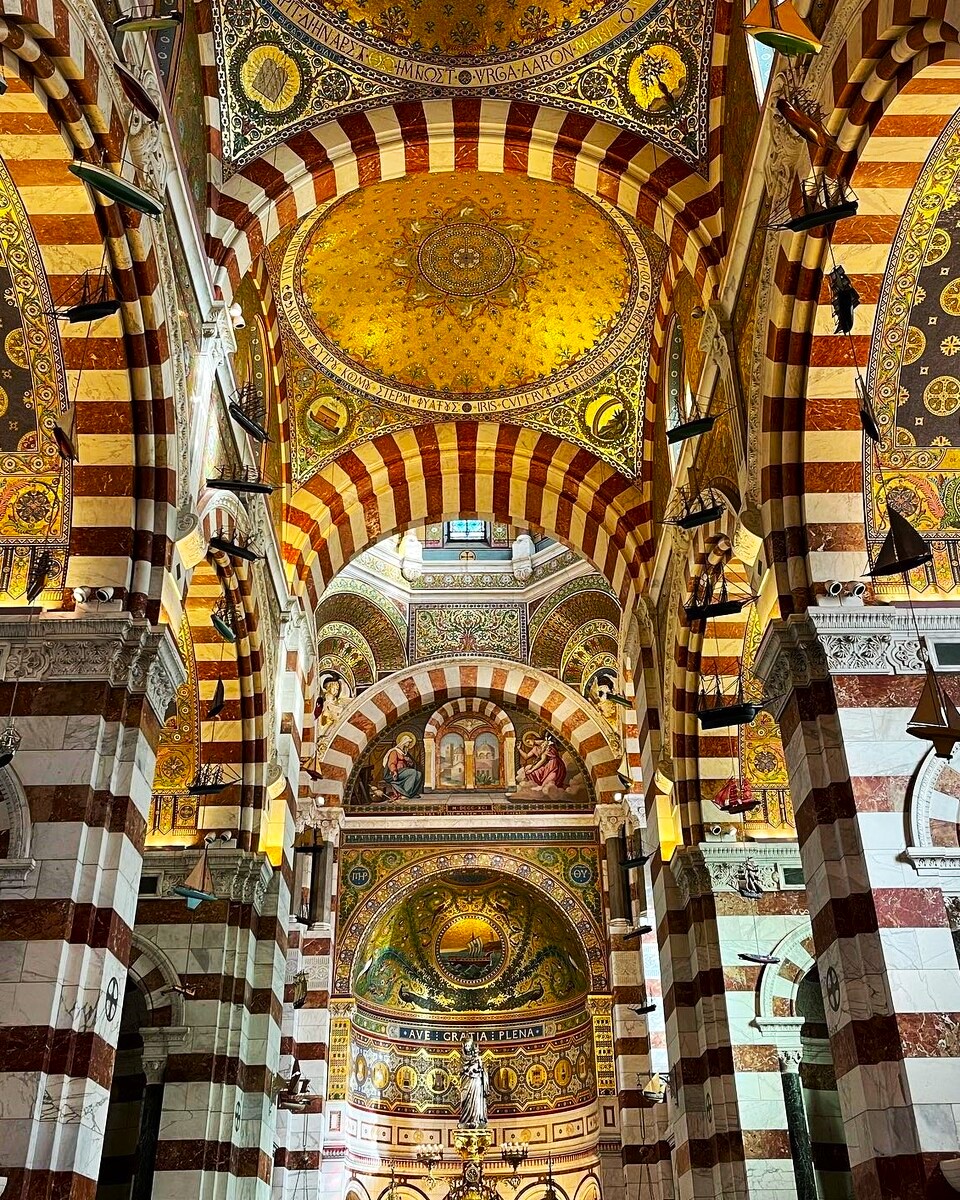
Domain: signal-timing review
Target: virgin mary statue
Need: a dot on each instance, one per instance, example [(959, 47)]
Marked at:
[(473, 1088)]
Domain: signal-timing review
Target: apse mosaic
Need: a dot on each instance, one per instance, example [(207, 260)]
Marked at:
[(391, 297), (471, 757), (35, 483), (913, 370), (471, 942), (563, 864), (285, 65)]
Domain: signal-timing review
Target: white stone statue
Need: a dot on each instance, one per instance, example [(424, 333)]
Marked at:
[(474, 1084)]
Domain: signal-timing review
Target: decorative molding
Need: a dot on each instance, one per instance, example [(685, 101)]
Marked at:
[(14, 872), (122, 651), (783, 1031), (158, 1044), (940, 864), (790, 1061), (329, 820), (239, 875), (822, 642), (719, 866)]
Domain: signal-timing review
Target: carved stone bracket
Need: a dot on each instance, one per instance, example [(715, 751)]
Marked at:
[(718, 866), (117, 649), (237, 874)]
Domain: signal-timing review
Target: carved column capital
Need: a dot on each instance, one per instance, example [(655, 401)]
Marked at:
[(609, 818), (790, 656), (790, 1061)]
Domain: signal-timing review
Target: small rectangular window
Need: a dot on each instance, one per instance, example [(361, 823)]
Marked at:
[(466, 531)]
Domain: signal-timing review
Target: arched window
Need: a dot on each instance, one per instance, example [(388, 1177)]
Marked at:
[(761, 66)]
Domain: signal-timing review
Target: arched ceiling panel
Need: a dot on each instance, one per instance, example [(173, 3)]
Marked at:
[(372, 622), (285, 65)]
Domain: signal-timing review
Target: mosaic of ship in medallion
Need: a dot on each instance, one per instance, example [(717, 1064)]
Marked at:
[(913, 371), (533, 1067), (488, 259), (376, 869), (285, 65), (471, 942), (35, 485), (496, 757)]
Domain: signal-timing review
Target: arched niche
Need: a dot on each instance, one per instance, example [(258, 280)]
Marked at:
[(15, 831)]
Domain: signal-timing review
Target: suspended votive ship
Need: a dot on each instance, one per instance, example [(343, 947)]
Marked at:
[(693, 507), (232, 477), (712, 598), (248, 409), (935, 719)]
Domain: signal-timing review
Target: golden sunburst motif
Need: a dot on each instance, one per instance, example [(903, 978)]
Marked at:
[(467, 261)]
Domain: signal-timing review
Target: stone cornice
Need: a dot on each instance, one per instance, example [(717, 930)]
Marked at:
[(718, 866), (863, 640), (116, 648), (237, 874)]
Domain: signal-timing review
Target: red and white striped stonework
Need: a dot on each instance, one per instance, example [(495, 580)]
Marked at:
[(64, 104), (464, 134), (811, 443), (885, 951), (557, 705), (91, 697), (888, 166), (501, 472)]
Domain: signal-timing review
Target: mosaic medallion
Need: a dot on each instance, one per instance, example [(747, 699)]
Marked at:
[(466, 260), (470, 950)]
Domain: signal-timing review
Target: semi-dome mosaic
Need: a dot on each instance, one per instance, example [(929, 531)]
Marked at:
[(464, 293), (471, 942)]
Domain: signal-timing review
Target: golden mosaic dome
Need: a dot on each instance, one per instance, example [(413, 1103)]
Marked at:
[(467, 292)]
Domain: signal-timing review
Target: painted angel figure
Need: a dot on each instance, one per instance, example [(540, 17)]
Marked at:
[(474, 1084)]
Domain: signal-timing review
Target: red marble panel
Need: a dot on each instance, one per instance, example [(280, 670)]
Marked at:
[(755, 1058), (766, 1143), (910, 908)]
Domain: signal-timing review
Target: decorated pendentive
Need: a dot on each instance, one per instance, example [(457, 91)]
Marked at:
[(644, 66)]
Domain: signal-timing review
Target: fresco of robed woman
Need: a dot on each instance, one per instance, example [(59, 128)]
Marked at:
[(402, 778)]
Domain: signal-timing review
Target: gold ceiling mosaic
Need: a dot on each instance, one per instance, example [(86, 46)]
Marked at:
[(286, 65), (465, 295)]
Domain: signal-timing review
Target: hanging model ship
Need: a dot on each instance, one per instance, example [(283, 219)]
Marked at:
[(935, 718)]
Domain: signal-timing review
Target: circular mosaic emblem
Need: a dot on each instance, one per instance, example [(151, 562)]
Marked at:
[(950, 298), (359, 877), (470, 950), (914, 345), (466, 259), (504, 1080), (536, 1076), (380, 1076), (657, 78), (270, 78), (941, 396), (580, 874), (562, 1072)]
